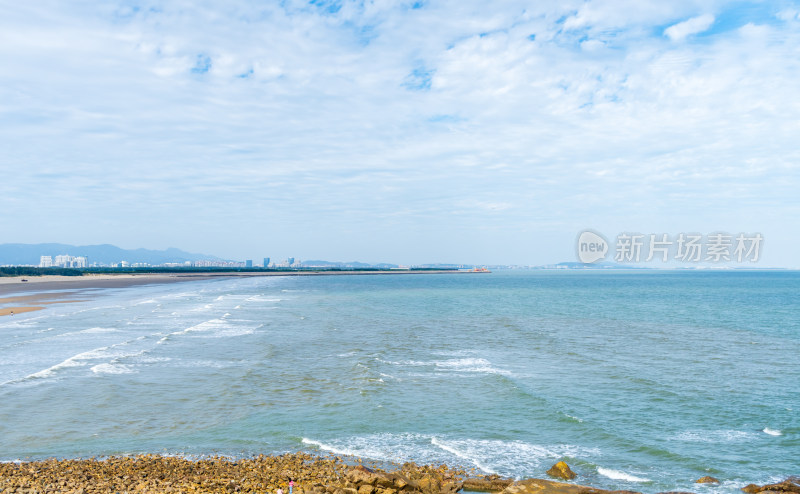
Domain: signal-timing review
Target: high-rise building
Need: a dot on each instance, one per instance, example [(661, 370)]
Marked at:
[(45, 262), (290, 261), (248, 263), (266, 262)]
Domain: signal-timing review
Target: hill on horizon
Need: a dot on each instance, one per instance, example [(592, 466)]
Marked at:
[(29, 254)]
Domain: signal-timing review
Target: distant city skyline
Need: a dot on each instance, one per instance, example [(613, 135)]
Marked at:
[(400, 131)]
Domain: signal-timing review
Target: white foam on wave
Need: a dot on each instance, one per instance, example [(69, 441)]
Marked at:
[(258, 298), (617, 475), (97, 330), (113, 353), (329, 448), (109, 368), (213, 328), (717, 436), (488, 455), (74, 361), (471, 365), (412, 363), (461, 454), (772, 432)]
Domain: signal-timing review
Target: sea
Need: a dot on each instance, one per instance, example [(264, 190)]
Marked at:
[(642, 380)]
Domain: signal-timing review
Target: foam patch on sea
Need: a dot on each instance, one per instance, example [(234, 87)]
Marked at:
[(490, 456)]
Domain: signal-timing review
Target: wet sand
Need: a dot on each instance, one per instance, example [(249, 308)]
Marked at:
[(15, 285), (10, 311), (50, 290), (77, 284)]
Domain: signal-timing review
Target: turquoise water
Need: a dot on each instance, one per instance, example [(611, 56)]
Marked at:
[(639, 380)]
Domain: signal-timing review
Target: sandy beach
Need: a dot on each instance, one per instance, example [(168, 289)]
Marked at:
[(48, 290), (77, 284)]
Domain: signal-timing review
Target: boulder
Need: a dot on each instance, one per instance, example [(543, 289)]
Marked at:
[(788, 486), (540, 486), (707, 480), (362, 475), (792, 484), (561, 471), (486, 485)]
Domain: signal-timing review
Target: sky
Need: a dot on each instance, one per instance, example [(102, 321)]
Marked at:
[(416, 131)]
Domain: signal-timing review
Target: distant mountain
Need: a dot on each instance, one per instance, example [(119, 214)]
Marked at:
[(24, 254)]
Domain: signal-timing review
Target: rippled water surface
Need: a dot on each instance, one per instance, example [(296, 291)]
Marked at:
[(640, 380)]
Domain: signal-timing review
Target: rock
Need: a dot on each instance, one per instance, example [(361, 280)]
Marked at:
[(451, 487), (362, 475), (792, 484), (788, 486), (561, 471), (707, 480), (540, 486), (486, 485)]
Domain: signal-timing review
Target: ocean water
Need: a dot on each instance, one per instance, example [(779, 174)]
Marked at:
[(639, 380)]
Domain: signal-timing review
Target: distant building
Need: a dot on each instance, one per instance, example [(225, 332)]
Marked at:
[(248, 263), (290, 261), (266, 262), (64, 261)]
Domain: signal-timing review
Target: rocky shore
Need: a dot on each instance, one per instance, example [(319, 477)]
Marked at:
[(265, 474)]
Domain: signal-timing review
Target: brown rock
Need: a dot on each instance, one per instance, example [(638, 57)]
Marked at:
[(707, 480), (451, 487), (792, 484), (360, 475), (751, 488), (561, 471), (366, 489), (486, 485), (540, 486)]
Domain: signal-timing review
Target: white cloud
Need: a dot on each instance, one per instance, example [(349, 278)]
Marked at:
[(695, 25), (386, 121)]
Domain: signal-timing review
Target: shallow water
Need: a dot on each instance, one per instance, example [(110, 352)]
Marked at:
[(639, 380)]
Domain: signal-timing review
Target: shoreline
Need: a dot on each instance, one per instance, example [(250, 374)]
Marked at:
[(310, 474), (40, 285), (14, 284)]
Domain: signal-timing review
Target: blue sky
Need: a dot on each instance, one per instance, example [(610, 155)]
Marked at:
[(398, 131)]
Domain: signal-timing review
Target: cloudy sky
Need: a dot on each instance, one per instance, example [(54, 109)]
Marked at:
[(403, 131)]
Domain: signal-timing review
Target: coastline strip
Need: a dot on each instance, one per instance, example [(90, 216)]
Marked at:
[(77, 284)]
